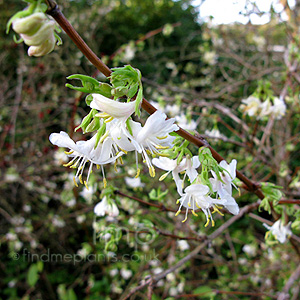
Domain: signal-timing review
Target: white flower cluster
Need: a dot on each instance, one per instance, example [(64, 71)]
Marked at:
[(38, 32), (198, 195), (120, 134), (252, 106)]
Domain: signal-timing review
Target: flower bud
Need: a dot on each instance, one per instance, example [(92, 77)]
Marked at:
[(29, 25), (37, 31)]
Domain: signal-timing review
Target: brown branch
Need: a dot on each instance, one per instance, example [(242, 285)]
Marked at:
[(225, 292), (284, 295), (55, 12), (160, 206)]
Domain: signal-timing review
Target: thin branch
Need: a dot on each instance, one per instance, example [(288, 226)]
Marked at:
[(55, 12), (284, 295), (209, 238)]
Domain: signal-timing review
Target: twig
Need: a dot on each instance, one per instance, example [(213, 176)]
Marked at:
[(284, 295), (209, 238)]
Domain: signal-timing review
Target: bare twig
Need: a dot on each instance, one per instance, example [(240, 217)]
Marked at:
[(284, 295), (193, 253)]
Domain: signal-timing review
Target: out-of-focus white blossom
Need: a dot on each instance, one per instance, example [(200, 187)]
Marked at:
[(250, 250), (126, 274), (134, 182), (279, 231), (184, 123), (106, 206), (183, 245), (251, 106), (58, 222), (214, 133)]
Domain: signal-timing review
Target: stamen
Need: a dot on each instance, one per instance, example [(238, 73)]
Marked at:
[(70, 152), (161, 147), (75, 182), (162, 177), (109, 120), (69, 163), (206, 224), (152, 171), (80, 178), (98, 167), (186, 215), (162, 137), (216, 210), (193, 212), (104, 136), (123, 150), (85, 183), (178, 212), (102, 115), (104, 179), (177, 202), (138, 171)]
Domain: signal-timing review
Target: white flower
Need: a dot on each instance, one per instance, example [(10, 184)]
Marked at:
[(60, 158), (210, 57), (250, 250), (252, 106), (80, 219), (106, 207), (126, 274), (58, 222), (134, 182), (153, 137), (214, 133), (187, 165), (183, 245), (129, 52), (84, 151), (115, 109), (279, 231), (113, 272), (87, 193), (279, 108), (183, 122), (195, 197), (37, 31), (223, 187), (265, 109), (172, 110)]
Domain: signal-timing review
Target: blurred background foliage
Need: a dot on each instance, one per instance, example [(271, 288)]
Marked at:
[(205, 69)]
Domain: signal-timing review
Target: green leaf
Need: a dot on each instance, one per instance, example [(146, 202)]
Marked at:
[(32, 275), (90, 85)]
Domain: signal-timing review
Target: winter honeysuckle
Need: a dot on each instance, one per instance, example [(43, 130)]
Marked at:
[(251, 106), (112, 108), (106, 206), (153, 137), (279, 231), (83, 152), (196, 197), (223, 185), (279, 108), (134, 182), (187, 165), (38, 32)]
